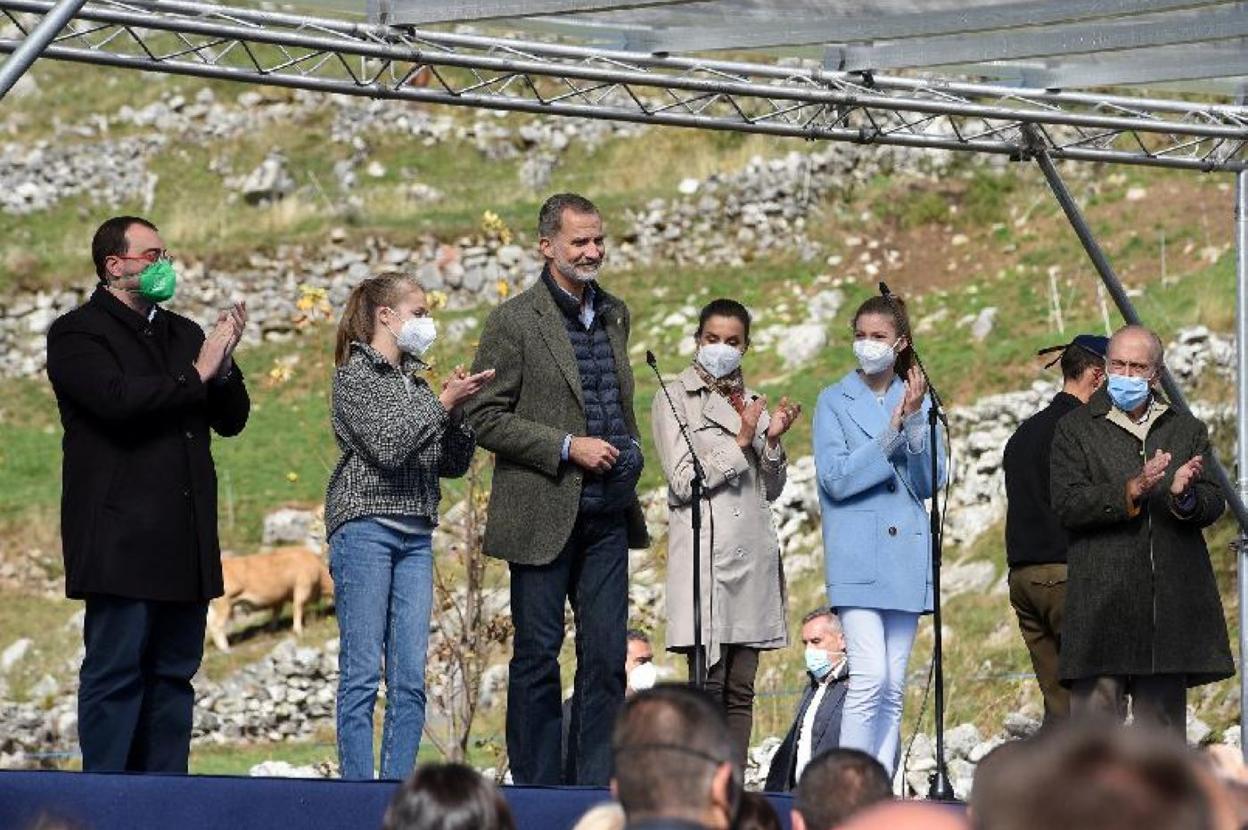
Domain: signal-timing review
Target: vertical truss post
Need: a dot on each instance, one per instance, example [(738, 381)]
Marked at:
[(34, 44), (1241, 420)]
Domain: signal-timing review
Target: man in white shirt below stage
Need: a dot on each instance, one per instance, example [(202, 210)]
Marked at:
[(817, 726)]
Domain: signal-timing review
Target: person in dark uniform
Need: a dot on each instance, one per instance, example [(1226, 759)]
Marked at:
[(1035, 541)]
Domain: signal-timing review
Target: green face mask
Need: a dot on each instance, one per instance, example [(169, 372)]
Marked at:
[(157, 281)]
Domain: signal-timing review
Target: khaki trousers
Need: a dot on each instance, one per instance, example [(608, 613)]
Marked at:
[(1038, 595)]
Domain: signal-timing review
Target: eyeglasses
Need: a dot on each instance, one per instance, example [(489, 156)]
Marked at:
[(150, 256), (1126, 367)]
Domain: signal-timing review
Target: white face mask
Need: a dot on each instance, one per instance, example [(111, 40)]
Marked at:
[(874, 356), (642, 677), (719, 359), (416, 335)]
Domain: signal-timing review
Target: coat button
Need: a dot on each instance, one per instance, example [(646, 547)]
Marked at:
[(189, 435), (186, 493), (892, 487), (892, 531)]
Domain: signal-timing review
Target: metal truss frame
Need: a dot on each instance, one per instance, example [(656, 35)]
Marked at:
[(502, 73)]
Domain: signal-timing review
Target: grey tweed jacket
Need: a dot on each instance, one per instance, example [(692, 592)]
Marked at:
[(395, 444), (523, 415)]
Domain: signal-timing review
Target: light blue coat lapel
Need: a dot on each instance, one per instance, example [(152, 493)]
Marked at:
[(866, 410)]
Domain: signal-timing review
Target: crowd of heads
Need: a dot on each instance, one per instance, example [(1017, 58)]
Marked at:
[(672, 762)]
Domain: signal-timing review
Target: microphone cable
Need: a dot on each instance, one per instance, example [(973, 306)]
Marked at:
[(931, 664)]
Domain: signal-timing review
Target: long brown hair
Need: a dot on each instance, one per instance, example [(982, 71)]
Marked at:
[(895, 310), (356, 325)]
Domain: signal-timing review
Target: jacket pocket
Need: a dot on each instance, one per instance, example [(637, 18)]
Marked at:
[(854, 547)]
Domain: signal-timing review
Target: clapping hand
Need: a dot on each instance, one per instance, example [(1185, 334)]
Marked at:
[(459, 386), (234, 319), (781, 419), (1147, 479), (1186, 475), (215, 357), (912, 399), (749, 421)]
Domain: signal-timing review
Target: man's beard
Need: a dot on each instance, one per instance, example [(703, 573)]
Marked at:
[(581, 274)]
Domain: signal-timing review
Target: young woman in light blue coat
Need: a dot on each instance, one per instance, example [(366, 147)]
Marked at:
[(873, 460)]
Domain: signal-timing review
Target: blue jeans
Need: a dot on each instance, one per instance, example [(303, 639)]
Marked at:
[(592, 572), (383, 592), (878, 645)]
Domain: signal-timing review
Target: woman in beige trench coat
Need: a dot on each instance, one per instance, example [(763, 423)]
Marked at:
[(738, 443)]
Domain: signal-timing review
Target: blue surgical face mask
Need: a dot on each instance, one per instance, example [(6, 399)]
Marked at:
[(818, 662), (1127, 392)]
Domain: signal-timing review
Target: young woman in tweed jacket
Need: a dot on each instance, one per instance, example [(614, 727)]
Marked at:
[(397, 438)]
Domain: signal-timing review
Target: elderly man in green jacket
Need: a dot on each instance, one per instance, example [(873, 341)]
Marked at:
[(563, 506), (1143, 614)]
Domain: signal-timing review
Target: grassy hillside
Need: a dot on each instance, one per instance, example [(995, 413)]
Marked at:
[(977, 238)]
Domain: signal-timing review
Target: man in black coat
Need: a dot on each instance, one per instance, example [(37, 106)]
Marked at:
[(817, 725), (1035, 541), (138, 388), (1143, 615)]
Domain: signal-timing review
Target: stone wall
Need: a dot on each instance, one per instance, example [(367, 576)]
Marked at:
[(728, 219)]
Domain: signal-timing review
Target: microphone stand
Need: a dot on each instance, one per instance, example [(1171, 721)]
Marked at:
[(695, 488), (940, 787)]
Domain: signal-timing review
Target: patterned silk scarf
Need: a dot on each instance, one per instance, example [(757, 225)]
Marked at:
[(731, 385)]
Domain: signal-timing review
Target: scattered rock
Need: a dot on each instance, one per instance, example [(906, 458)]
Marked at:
[(961, 741), (967, 578), (293, 526), (1018, 725), (1197, 730), (269, 182), (284, 769), (982, 327), (12, 655)]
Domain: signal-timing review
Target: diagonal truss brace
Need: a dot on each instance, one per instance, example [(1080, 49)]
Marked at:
[(335, 56)]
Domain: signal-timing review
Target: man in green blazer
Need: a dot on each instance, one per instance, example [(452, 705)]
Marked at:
[(563, 506)]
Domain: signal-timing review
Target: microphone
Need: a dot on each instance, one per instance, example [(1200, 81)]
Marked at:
[(884, 292), (654, 364)]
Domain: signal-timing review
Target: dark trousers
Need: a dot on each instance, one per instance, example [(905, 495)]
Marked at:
[(730, 683), (135, 699), (1038, 595), (592, 572), (1157, 700)]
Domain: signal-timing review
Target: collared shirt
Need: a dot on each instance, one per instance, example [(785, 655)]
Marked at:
[(588, 312), (805, 735)]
